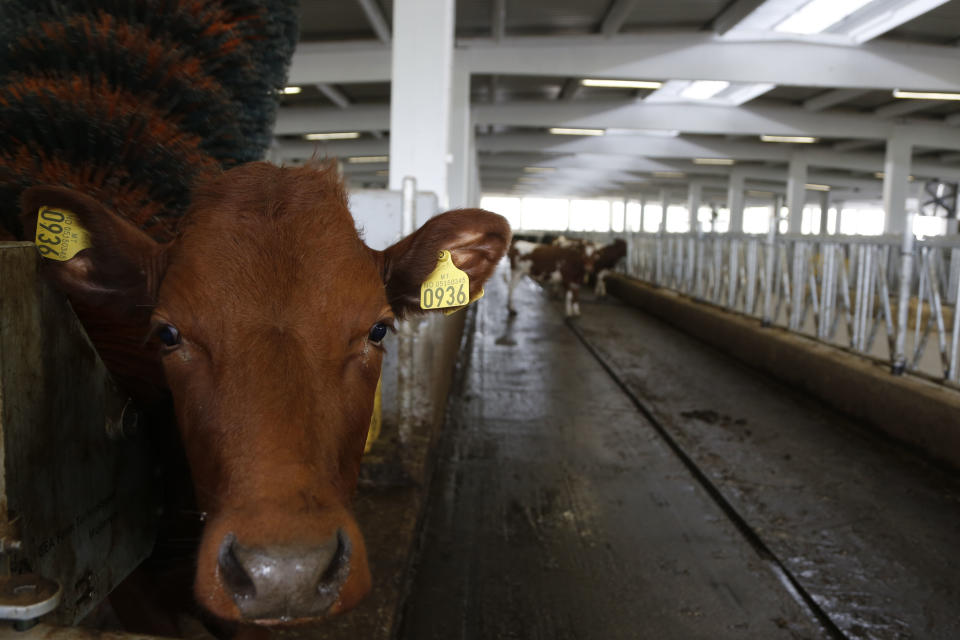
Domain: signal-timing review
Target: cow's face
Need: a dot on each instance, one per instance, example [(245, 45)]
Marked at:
[(269, 320)]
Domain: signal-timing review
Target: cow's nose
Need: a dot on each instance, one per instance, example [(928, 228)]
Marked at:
[(284, 582)]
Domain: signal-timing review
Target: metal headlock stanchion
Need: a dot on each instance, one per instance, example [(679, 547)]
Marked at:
[(405, 333), (903, 299)]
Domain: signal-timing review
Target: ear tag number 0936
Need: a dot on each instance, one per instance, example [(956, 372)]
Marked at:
[(446, 286), (59, 234)]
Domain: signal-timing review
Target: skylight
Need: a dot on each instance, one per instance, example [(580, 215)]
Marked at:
[(621, 84), (819, 15), (704, 89)]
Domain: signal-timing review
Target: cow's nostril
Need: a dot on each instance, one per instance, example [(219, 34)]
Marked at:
[(339, 568), (235, 577)]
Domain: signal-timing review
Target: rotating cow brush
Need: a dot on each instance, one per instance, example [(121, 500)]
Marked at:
[(130, 101)]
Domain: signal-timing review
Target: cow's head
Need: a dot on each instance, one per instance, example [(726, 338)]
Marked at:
[(268, 314)]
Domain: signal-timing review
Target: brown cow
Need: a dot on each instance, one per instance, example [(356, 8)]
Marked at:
[(565, 266), (604, 260), (266, 318)]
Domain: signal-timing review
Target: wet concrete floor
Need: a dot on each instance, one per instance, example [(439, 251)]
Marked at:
[(557, 511)]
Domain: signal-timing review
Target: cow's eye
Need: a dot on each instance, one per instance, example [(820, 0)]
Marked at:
[(168, 335), (378, 332)]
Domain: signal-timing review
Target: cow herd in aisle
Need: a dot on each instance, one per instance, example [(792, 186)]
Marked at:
[(563, 264)]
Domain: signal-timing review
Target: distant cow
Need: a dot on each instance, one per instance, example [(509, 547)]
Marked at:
[(605, 259), (548, 265)]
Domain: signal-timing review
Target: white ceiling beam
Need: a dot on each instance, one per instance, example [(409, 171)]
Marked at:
[(339, 63), (877, 18), (300, 120), (288, 149), (831, 98), (569, 173), (635, 146), (679, 150), (571, 182), (733, 14), (590, 160), (690, 118), (853, 145), (904, 107), (616, 16), (713, 188), (376, 19), (686, 55), (636, 165), (334, 95), (303, 120), (681, 55)]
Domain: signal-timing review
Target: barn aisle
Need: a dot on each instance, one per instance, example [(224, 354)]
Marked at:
[(557, 512)]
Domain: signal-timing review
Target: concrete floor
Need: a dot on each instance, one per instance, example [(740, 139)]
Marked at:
[(557, 511)]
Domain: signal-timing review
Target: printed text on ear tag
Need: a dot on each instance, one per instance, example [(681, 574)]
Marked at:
[(59, 234), (450, 312), (446, 286)]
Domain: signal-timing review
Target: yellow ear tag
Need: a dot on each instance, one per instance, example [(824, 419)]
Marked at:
[(59, 234), (446, 286), (376, 420)]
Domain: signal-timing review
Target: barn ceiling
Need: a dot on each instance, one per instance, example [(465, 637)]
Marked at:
[(528, 60)]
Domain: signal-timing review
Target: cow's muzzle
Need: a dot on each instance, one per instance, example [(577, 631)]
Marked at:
[(277, 584)]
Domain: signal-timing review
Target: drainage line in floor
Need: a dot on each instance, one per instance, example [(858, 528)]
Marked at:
[(783, 574)]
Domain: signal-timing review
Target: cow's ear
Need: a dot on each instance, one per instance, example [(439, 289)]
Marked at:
[(120, 269), (476, 240)]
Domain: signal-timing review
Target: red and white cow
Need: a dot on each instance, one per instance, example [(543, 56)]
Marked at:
[(549, 265), (605, 259)]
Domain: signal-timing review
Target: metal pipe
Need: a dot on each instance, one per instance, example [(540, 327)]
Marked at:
[(751, 290), (937, 311), (732, 276), (952, 372), (903, 300), (868, 297), (770, 246), (405, 333), (827, 290), (799, 284)]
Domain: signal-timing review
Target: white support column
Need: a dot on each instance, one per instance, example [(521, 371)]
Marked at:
[(796, 191), (775, 214), (824, 211), (735, 189), (694, 193), (839, 207), (475, 184), (643, 208), (461, 134), (664, 205), (896, 182), (420, 94)]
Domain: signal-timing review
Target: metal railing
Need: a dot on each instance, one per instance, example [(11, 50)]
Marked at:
[(889, 297)]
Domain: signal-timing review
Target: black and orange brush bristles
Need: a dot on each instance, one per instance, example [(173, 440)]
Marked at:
[(131, 100)]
